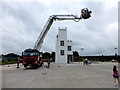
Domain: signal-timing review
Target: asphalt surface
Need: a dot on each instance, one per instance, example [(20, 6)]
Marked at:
[(66, 76)]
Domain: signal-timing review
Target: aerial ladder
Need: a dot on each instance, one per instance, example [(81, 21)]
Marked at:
[(31, 57), (85, 14)]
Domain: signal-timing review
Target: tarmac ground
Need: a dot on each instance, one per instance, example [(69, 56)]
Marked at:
[(74, 75)]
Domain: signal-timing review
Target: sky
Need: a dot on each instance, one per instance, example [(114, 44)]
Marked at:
[(22, 22)]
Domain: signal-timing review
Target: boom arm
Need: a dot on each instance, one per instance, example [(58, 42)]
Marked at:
[(85, 14)]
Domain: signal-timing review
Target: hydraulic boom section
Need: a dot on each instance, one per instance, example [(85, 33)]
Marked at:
[(85, 14)]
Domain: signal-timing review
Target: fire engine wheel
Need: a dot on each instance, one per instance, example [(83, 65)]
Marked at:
[(25, 66)]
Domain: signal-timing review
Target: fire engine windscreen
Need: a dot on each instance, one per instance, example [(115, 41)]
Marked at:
[(30, 54)]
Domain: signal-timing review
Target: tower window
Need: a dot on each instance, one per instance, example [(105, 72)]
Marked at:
[(61, 52), (61, 43), (69, 48), (57, 36)]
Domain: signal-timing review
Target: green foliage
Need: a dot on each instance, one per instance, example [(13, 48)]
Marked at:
[(8, 62), (10, 57), (75, 53), (76, 56), (46, 55)]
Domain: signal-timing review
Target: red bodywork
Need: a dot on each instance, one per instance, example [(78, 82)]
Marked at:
[(30, 60)]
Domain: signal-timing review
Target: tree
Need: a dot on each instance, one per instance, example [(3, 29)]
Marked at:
[(75, 56), (75, 53), (46, 55), (10, 57)]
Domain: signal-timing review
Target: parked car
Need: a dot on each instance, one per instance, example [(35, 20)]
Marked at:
[(113, 60)]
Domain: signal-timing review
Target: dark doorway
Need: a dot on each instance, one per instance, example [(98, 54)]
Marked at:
[(69, 58)]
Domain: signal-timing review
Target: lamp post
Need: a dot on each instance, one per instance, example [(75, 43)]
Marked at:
[(116, 54), (81, 51), (99, 57)]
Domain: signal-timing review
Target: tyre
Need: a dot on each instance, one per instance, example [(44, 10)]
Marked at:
[(25, 66)]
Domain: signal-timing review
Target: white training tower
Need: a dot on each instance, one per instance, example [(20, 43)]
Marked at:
[(61, 43), (64, 51)]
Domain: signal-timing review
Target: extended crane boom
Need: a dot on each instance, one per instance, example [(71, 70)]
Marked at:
[(31, 57), (85, 14)]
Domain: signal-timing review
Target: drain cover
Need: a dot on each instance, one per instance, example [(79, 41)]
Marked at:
[(43, 73)]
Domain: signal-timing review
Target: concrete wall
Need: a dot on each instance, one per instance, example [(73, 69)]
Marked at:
[(69, 51), (69, 43), (62, 36)]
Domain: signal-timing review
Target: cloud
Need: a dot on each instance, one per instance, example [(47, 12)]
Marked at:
[(22, 23)]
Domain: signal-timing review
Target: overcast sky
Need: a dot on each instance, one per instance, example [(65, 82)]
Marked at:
[(23, 21)]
